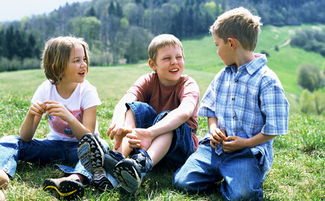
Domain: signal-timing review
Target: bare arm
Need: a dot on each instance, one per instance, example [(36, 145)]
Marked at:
[(32, 119), (173, 119), (78, 128), (234, 143)]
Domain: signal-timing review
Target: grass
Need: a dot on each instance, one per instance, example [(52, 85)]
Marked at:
[(297, 173), (298, 168)]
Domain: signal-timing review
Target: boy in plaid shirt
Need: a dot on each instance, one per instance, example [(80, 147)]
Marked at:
[(246, 108)]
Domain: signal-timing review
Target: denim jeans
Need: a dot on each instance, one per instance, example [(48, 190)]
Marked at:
[(182, 145), (43, 151), (240, 170)]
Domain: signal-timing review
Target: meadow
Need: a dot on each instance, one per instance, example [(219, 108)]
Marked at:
[(298, 168)]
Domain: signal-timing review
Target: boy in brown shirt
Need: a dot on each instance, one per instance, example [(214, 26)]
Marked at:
[(156, 120)]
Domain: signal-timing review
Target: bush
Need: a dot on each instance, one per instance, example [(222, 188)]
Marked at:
[(309, 77), (312, 103)]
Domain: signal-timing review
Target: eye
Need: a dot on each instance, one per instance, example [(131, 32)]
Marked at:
[(179, 57), (166, 58)]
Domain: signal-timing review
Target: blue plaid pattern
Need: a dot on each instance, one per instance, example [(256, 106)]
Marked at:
[(248, 102)]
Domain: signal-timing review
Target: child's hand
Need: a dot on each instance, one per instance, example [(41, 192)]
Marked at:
[(139, 138), (234, 143), (217, 137), (54, 108), (117, 133), (37, 109)]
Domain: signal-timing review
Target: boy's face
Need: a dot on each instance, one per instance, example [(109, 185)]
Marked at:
[(224, 50), (169, 64)]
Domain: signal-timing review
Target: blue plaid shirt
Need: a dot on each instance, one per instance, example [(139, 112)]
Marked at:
[(248, 102)]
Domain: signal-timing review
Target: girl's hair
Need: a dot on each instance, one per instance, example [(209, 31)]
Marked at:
[(56, 56), (238, 23), (161, 41)]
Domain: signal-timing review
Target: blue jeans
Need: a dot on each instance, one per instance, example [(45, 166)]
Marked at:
[(240, 170), (182, 145), (43, 151)]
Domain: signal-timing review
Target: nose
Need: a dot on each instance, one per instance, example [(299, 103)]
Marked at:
[(173, 60)]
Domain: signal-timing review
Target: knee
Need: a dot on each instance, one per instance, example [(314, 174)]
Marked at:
[(4, 180), (246, 194)]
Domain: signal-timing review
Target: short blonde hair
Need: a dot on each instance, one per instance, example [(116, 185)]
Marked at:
[(238, 23), (56, 56), (161, 41)]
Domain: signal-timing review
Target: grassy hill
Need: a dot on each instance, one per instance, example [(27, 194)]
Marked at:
[(200, 54), (298, 169)]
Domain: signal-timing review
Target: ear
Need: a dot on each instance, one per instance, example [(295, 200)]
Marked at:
[(152, 64), (232, 42)]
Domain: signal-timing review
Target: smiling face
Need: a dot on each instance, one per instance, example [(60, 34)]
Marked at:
[(169, 64), (77, 67)]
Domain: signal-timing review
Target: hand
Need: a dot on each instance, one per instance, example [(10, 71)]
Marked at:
[(54, 108), (37, 109), (140, 138), (118, 133), (234, 143), (217, 137)]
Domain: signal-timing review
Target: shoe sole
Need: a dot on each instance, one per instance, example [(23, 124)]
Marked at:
[(90, 153), (68, 190), (127, 176), (103, 184)]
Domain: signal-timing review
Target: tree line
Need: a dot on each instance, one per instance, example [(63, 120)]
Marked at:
[(118, 31)]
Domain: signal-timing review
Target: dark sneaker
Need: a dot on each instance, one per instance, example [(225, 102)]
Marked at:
[(64, 188), (90, 152), (91, 155), (100, 180), (111, 159), (130, 171)]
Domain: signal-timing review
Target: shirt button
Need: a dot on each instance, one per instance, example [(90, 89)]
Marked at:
[(234, 117), (236, 80), (233, 98)]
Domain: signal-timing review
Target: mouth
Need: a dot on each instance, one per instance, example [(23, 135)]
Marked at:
[(82, 73), (174, 70)]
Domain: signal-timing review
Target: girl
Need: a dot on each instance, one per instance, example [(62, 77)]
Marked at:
[(70, 102)]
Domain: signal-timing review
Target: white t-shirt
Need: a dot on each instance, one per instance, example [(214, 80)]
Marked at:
[(83, 97)]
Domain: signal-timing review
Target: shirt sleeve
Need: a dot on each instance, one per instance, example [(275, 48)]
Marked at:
[(275, 107), (40, 94), (90, 97), (140, 87), (191, 93)]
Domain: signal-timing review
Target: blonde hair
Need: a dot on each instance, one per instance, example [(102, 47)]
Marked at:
[(161, 41), (56, 56), (238, 23)]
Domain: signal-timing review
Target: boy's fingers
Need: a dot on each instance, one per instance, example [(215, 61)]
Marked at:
[(213, 145)]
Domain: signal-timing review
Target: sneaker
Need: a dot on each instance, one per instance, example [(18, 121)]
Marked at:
[(130, 171), (111, 159), (100, 180), (90, 152), (91, 155), (64, 188)]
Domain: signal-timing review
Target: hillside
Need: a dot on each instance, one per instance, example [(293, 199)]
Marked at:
[(200, 54)]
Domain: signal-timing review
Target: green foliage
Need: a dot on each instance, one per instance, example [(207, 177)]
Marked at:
[(310, 40), (312, 103), (310, 77)]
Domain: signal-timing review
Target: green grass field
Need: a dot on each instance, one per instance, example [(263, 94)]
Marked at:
[(298, 168)]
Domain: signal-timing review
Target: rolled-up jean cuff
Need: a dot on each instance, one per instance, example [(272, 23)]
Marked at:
[(144, 114)]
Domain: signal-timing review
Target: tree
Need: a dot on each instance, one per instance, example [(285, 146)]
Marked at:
[(86, 27), (309, 77)]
